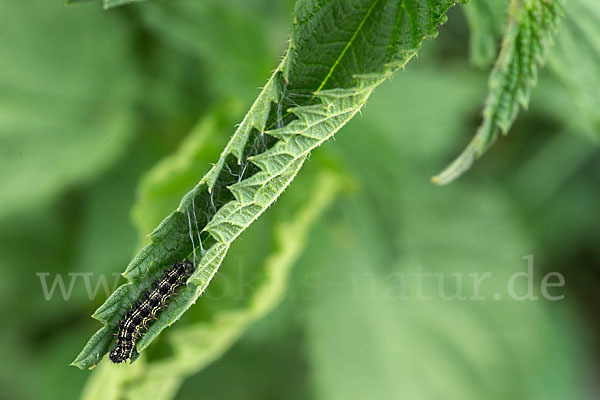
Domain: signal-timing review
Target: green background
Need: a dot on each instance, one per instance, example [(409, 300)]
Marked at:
[(108, 117)]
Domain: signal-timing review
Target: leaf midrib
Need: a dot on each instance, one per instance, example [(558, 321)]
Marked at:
[(345, 49), (337, 61)]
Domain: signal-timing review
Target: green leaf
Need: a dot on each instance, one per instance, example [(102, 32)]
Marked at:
[(486, 23), (162, 187), (323, 81), (198, 344), (576, 56), (530, 27), (212, 331), (61, 123)]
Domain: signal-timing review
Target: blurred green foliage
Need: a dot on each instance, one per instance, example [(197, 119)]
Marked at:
[(108, 112)]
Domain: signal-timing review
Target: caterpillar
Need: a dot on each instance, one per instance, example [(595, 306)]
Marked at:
[(136, 320)]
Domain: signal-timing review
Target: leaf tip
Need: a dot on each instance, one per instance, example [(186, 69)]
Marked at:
[(457, 167)]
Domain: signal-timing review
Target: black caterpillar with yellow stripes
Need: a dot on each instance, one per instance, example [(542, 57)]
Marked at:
[(135, 322)]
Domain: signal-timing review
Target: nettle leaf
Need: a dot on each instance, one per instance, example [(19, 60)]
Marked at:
[(486, 24), (162, 187), (530, 27), (230, 305), (200, 342), (340, 51), (576, 57)]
